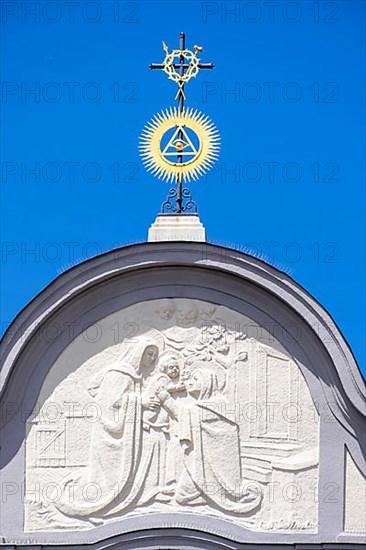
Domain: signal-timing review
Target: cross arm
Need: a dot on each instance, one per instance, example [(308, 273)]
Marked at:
[(184, 66)]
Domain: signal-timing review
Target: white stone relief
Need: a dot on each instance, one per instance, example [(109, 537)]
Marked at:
[(178, 406)]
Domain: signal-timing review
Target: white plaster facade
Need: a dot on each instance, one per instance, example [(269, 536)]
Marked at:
[(239, 333)]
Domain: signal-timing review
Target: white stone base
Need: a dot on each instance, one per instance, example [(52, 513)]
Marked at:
[(183, 227)]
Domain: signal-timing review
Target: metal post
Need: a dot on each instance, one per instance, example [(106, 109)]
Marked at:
[(182, 46)]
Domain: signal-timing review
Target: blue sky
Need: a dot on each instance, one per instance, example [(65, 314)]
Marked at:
[(287, 94)]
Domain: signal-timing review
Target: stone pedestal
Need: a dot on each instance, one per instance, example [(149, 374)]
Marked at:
[(180, 227)]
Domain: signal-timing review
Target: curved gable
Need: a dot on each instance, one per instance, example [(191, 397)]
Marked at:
[(282, 345)]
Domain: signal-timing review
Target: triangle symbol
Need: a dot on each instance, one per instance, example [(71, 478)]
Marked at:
[(171, 150)]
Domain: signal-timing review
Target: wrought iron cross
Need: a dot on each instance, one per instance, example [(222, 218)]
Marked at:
[(182, 66), (179, 194)]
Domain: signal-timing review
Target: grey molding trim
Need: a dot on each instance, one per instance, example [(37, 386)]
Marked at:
[(180, 539)]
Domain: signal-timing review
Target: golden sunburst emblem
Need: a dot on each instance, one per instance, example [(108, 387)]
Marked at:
[(179, 145)]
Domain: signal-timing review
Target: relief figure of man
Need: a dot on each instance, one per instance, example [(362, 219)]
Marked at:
[(160, 444), (211, 471)]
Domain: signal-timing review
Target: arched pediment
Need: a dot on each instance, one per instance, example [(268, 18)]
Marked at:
[(278, 337)]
